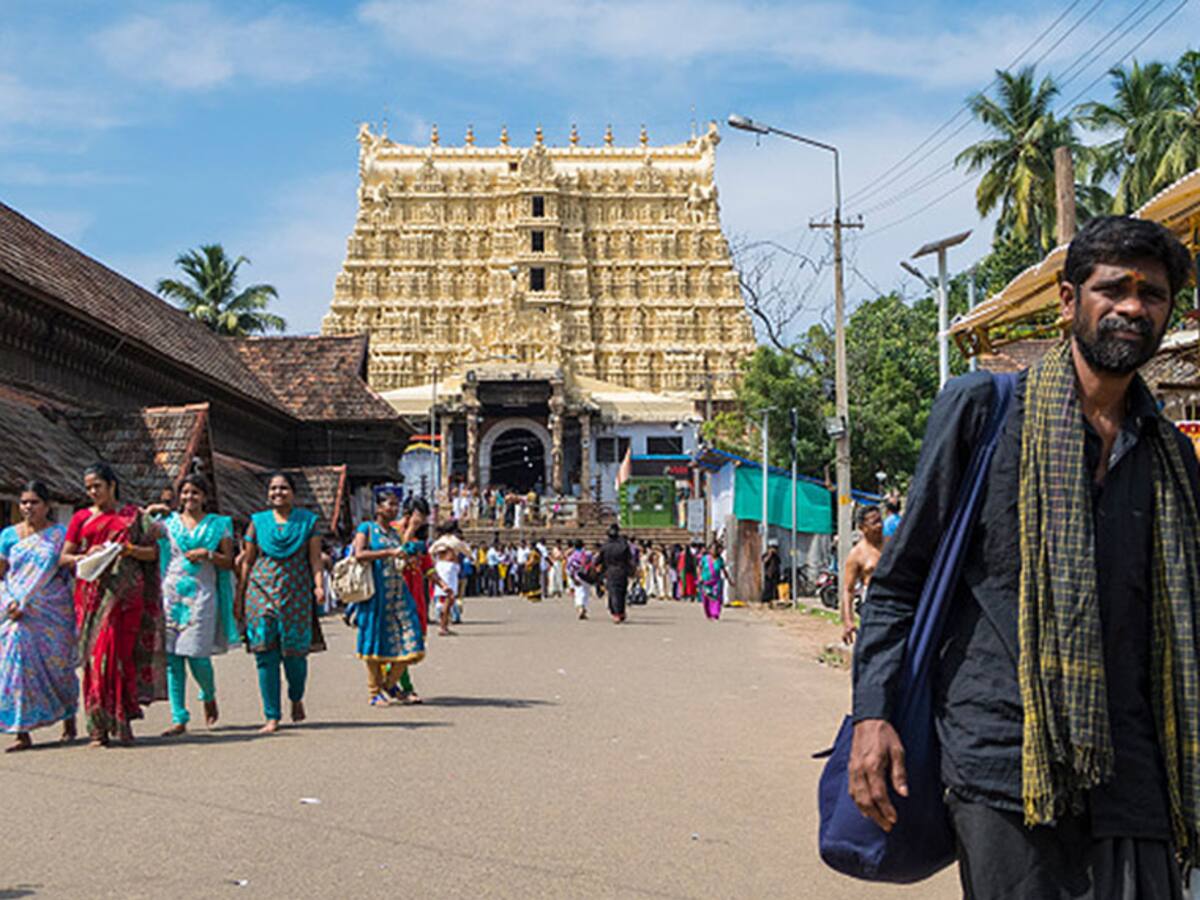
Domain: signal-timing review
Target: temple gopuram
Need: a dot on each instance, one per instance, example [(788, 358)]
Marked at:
[(548, 307)]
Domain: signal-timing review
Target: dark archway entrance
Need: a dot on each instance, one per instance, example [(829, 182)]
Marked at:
[(518, 461)]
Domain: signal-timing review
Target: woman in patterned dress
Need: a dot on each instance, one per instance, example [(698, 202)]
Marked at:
[(37, 625), (390, 634), (118, 615), (279, 592), (196, 554)]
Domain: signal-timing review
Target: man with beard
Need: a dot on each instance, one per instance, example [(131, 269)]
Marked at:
[(1067, 690)]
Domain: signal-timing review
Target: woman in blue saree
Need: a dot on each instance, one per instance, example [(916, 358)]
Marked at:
[(196, 556), (280, 590), (390, 635), (37, 624)]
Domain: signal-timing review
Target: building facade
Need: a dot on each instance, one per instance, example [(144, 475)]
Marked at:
[(510, 290)]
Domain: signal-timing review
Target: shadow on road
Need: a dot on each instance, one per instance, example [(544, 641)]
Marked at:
[(235, 734), (20, 890), (488, 702)]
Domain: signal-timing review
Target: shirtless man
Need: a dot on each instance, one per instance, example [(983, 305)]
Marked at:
[(860, 566)]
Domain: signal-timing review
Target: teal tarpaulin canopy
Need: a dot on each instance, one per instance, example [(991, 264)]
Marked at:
[(814, 504)]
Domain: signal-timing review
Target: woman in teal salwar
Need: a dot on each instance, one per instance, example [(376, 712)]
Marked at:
[(280, 591), (390, 637), (196, 556)]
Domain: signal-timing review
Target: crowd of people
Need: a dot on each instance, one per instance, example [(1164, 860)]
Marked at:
[(505, 508), (125, 601)]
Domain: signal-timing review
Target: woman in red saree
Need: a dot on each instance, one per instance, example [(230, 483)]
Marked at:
[(118, 615)]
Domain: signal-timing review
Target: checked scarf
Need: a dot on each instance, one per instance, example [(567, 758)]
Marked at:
[(1067, 747)]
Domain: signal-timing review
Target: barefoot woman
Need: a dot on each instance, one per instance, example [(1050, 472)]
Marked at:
[(280, 591), (37, 624), (196, 551), (119, 614)]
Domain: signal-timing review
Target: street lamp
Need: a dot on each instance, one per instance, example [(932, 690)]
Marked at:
[(940, 247), (841, 390)]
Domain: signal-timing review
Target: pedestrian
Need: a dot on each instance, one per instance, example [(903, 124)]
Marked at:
[(772, 570), (891, 521), (1068, 707), (672, 569), (118, 614), (494, 560), (531, 575), (712, 581), (195, 551), (38, 686), (616, 560), (413, 525), (578, 564), (390, 637), (280, 591), (447, 552), (688, 572), (859, 568), (557, 571)]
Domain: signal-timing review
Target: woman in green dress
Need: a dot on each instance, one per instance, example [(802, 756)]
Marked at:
[(279, 592)]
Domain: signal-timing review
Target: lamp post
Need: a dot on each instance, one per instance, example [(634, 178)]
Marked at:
[(841, 434), (940, 247)]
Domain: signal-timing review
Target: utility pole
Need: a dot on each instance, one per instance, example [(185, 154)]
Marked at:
[(795, 421), (841, 432), (973, 363), (1064, 193), (766, 413), (436, 444), (845, 506)]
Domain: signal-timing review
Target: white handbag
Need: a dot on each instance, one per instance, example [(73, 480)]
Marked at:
[(352, 580), (91, 567)]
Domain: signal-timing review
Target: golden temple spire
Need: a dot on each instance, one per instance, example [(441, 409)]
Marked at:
[(470, 136), (537, 136), (644, 137), (574, 135), (434, 139), (608, 136), (504, 135)]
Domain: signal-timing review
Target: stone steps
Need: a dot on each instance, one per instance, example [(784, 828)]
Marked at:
[(570, 531)]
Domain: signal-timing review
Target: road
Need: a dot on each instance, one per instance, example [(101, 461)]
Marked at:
[(668, 757)]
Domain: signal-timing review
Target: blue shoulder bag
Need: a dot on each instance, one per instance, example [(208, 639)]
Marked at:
[(921, 842)]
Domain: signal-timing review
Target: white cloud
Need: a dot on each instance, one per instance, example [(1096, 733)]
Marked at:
[(814, 36), (70, 225), (30, 174), (24, 105), (192, 46)]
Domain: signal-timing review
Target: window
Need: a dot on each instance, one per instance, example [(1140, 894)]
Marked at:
[(512, 167), (537, 241), (664, 445), (611, 449), (539, 207), (537, 279)]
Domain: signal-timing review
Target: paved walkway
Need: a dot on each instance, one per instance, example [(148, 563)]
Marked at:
[(668, 757)]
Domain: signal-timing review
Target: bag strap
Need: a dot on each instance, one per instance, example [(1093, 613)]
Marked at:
[(924, 637)]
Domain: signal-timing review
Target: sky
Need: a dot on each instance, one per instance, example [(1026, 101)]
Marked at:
[(136, 131)]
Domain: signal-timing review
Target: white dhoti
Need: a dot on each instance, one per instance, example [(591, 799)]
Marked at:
[(583, 593)]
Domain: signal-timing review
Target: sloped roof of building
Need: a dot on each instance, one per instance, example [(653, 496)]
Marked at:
[(149, 449), (315, 378), (37, 447), (243, 490), (32, 256)]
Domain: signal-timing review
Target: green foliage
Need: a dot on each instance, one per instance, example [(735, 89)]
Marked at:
[(1017, 158), (891, 361), (208, 295)]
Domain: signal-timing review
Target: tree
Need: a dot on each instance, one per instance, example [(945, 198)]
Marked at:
[(1181, 123), (1017, 160), (1137, 116), (208, 295)]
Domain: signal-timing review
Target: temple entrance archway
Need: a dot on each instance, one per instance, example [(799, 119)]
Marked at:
[(515, 454)]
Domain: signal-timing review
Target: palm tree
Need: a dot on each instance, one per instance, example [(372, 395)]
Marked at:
[(208, 293), (1181, 123), (1017, 160), (1143, 96)]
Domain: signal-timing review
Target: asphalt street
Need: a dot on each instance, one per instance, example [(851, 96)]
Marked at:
[(668, 757)]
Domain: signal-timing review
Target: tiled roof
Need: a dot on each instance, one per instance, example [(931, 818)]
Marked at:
[(35, 447), (32, 256), (242, 487), (149, 449), (316, 378), (1017, 356)]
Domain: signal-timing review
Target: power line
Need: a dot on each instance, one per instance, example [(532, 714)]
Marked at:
[(1080, 64), (1170, 15), (865, 189)]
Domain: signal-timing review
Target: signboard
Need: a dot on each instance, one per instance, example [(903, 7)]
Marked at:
[(1192, 430)]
